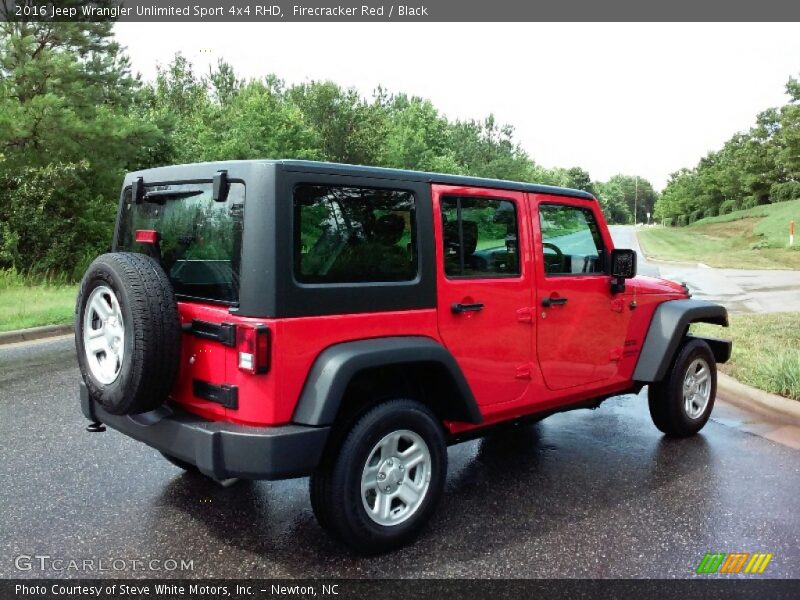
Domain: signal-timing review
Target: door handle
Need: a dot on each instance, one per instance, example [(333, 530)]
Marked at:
[(459, 308), (547, 302)]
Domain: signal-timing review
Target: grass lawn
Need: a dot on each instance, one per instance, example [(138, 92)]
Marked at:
[(766, 351), (23, 306), (747, 239)]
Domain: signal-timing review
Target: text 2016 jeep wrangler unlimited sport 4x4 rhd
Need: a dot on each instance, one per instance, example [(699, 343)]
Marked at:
[(275, 319)]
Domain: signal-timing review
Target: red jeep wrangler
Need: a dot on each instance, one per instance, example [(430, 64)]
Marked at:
[(274, 319)]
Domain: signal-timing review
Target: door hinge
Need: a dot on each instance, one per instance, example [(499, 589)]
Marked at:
[(225, 333), (523, 372), (226, 395), (525, 315)]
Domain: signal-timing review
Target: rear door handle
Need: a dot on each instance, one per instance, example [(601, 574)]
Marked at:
[(459, 308), (552, 301)]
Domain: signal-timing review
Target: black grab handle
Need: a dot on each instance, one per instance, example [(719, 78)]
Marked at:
[(459, 308), (551, 301)]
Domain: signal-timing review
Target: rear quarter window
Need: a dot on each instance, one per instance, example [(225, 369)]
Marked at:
[(348, 234)]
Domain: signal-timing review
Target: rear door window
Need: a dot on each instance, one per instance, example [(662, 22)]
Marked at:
[(347, 234), (200, 239), (479, 237)]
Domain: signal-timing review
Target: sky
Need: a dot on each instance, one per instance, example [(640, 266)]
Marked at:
[(633, 98)]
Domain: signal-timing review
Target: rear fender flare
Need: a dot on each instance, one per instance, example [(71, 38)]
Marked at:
[(336, 366)]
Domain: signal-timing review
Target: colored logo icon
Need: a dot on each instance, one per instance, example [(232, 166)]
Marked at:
[(734, 562)]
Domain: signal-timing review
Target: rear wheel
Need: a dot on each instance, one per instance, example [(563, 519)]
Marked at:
[(383, 485), (681, 404)]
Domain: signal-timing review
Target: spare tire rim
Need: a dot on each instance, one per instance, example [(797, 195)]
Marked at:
[(396, 477), (103, 335)]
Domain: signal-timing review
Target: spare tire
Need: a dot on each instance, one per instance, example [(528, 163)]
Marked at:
[(127, 333)]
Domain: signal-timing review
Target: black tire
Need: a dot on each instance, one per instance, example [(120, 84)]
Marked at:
[(666, 397), (152, 332), (335, 487), (181, 464)]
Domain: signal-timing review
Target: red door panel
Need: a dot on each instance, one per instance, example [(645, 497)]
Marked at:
[(484, 313), (581, 326)]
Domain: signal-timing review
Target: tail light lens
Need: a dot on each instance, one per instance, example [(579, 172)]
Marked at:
[(146, 236), (252, 343)]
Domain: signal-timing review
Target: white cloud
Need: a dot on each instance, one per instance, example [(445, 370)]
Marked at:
[(634, 98)]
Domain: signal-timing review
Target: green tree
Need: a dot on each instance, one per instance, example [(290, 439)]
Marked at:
[(346, 127), (612, 199), (759, 166), (51, 219), (69, 109), (417, 137)]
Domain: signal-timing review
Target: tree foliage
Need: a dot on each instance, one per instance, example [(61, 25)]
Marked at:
[(759, 166), (73, 120)]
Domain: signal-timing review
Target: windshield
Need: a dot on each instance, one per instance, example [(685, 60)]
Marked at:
[(200, 240)]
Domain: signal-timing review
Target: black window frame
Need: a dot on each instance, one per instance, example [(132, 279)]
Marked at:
[(602, 252), (294, 299), (458, 197)]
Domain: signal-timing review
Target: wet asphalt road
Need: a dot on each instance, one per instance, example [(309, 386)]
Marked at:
[(583, 494)]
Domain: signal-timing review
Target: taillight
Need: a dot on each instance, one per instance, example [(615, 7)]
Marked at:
[(146, 236), (252, 343)]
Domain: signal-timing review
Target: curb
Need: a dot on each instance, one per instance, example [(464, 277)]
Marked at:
[(764, 403), (34, 333)]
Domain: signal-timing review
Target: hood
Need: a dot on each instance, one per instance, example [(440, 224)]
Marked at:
[(653, 285)]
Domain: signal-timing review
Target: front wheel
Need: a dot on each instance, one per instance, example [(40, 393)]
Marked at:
[(681, 403), (384, 484)]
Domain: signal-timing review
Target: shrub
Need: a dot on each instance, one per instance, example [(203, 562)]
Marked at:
[(682, 221), (750, 202), (727, 206), (695, 215), (711, 211), (51, 220), (783, 192), (669, 222)]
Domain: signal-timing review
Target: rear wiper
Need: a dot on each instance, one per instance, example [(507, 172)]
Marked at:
[(161, 196)]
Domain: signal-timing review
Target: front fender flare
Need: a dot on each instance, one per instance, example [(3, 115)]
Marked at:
[(336, 366), (668, 328)]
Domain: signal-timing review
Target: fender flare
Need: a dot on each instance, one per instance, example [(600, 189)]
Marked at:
[(336, 366), (667, 330)]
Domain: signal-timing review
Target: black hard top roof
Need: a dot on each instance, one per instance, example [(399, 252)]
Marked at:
[(192, 171), (403, 174)]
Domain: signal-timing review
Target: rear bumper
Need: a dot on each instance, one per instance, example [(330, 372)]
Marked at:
[(219, 449)]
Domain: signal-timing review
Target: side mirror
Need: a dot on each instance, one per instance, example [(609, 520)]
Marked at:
[(623, 266)]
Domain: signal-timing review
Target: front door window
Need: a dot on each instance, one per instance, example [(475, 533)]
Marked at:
[(571, 241)]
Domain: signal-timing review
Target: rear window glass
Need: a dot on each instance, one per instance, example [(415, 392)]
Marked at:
[(346, 234), (200, 239)]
